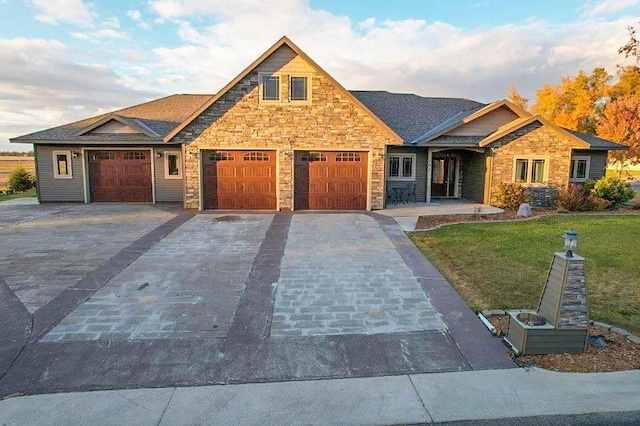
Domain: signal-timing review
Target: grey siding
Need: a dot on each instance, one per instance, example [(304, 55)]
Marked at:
[(52, 189), (167, 189), (598, 162), (421, 170), (473, 173)]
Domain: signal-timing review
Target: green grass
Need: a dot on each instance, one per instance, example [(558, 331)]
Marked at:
[(504, 265), (30, 193)]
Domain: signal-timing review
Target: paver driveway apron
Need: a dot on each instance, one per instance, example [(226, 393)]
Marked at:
[(340, 274), (42, 257), (186, 286)]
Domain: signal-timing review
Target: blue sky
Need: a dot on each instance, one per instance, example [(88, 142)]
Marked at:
[(65, 60)]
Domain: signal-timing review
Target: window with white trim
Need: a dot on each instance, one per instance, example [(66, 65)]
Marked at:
[(401, 166), (269, 88), (580, 168), (530, 171), (298, 88), (62, 165), (172, 165)]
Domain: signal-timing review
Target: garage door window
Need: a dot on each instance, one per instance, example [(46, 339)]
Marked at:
[(255, 156), (62, 165), (347, 157), (221, 156), (134, 155), (309, 157), (172, 165)]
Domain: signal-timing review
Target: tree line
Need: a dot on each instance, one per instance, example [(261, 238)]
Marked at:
[(595, 103)]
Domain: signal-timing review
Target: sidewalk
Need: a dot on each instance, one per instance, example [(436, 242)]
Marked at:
[(422, 398)]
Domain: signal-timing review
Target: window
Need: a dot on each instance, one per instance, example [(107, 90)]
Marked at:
[(347, 157), (530, 170), (62, 165), (221, 156), (309, 157), (270, 85), (255, 156), (580, 168), (401, 166), (172, 165), (134, 155), (103, 155), (298, 89)]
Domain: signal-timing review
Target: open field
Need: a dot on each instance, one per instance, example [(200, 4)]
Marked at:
[(504, 265), (9, 162)]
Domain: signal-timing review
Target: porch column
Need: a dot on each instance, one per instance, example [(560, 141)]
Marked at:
[(429, 164)]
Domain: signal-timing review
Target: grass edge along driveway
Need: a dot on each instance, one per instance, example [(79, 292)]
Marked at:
[(505, 265), (29, 193)]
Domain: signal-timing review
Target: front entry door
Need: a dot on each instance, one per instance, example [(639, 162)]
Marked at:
[(443, 176)]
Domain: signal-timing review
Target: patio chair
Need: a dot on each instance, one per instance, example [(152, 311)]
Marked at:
[(391, 196), (411, 192)]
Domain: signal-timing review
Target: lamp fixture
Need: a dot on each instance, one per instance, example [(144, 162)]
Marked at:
[(570, 241)]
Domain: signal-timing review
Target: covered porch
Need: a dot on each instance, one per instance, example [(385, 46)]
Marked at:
[(434, 175)]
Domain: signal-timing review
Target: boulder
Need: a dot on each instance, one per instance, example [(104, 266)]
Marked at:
[(524, 210)]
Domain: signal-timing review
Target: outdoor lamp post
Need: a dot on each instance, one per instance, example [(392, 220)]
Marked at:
[(570, 241)]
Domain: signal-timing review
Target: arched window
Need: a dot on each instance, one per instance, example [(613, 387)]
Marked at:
[(255, 156), (221, 156), (134, 155), (313, 156), (347, 156)]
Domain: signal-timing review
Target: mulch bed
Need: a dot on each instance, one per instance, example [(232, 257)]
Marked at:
[(621, 355), (430, 222)]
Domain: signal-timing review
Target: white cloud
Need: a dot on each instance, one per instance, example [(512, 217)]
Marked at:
[(593, 9), (427, 58), (64, 11), (112, 22), (45, 87), (101, 35)]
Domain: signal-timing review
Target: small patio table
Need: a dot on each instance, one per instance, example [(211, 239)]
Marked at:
[(400, 192)]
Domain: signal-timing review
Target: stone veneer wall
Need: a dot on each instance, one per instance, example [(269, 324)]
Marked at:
[(331, 122), (573, 310), (533, 140)]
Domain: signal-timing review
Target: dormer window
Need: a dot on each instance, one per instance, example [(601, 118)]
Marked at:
[(298, 89), (270, 87)]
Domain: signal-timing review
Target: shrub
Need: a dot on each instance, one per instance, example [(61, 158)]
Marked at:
[(597, 204), (510, 195), (574, 197), (20, 180), (614, 190)]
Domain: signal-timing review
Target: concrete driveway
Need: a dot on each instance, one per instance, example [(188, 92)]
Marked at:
[(131, 295)]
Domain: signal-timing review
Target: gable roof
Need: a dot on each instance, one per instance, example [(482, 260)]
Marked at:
[(597, 143), (525, 121), (410, 116), (155, 119), (126, 121), (282, 42), (465, 117)]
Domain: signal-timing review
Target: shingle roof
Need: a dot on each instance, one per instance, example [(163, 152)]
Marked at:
[(459, 141), (160, 115), (596, 142), (411, 116)]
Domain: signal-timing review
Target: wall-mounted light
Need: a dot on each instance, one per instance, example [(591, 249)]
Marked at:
[(76, 154), (158, 154)]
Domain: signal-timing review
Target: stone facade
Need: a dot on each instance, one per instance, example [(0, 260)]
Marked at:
[(332, 121), (534, 141), (573, 308)]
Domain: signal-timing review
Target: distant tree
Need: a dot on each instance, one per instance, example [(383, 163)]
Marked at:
[(632, 48), (576, 102), (515, 97), (620, 122)]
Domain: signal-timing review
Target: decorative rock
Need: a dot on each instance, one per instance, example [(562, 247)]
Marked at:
[(524, 210)]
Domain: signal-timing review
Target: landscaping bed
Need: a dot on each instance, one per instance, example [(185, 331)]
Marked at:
[(622, 354)]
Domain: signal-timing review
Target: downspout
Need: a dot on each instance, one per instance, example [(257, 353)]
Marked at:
[(35, 160)]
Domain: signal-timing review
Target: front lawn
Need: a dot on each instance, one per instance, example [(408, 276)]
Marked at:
[(29, 193), (504, 265)]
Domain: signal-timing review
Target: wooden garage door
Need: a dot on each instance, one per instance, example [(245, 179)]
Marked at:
[(239, 180), (330, 180), (120, 176)]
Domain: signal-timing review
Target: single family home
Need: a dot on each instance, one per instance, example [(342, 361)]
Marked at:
[(285, 135)]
